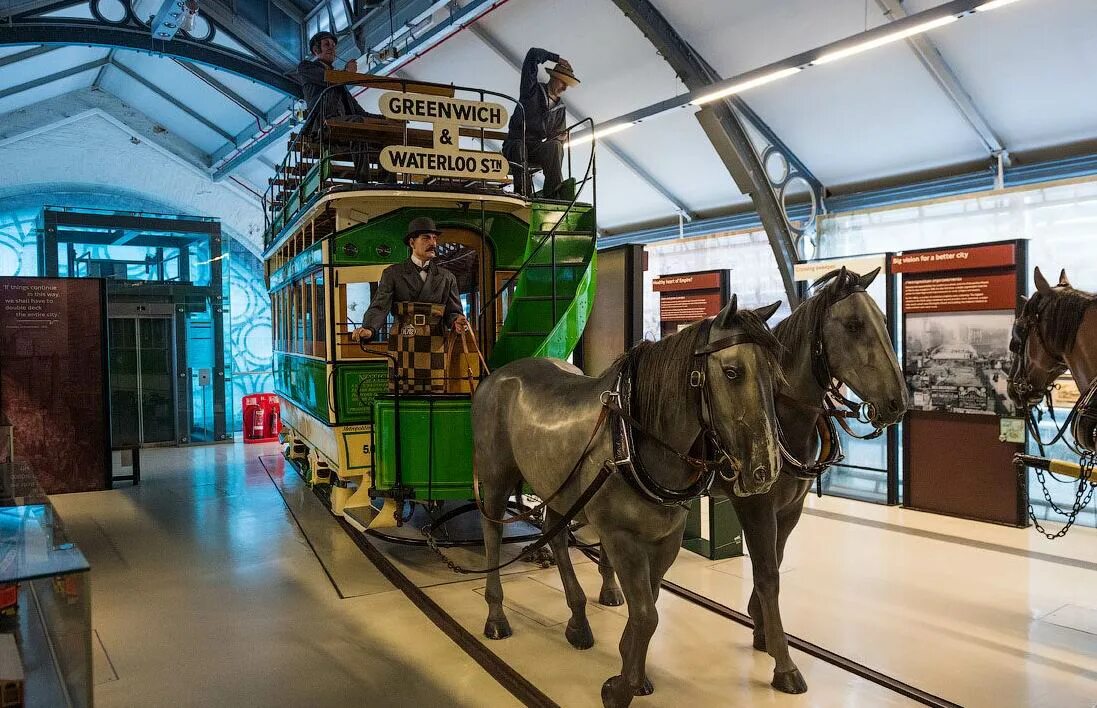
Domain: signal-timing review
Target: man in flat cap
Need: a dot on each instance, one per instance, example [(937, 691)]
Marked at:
[(415, 280), (336, 103), (542, 113)]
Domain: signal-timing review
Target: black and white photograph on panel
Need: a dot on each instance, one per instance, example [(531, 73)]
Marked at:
[(958, 362)]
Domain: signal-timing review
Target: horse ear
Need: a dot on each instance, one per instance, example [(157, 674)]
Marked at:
[(1063, 282), (1041, 282), (766, 312), (723, 320), (865, 280)]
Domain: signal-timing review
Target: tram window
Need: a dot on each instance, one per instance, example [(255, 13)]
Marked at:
[(319, 312), (294, 317), (274, 319), (307, 336)]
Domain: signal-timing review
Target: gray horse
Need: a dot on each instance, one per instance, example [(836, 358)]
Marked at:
[(841, 323), (532, 418)]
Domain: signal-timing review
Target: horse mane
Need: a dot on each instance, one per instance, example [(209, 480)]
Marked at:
[(796, 330), (1061, 314), (662, 368)]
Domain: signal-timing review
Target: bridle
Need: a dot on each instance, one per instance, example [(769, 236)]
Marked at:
[(714, 459), (835, 407), (1080, 420)]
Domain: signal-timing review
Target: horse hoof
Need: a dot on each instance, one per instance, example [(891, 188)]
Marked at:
[(646, 690), (497, 629), (789, 681), (760, 642), (616, 692), (579, 637), (611, 597)]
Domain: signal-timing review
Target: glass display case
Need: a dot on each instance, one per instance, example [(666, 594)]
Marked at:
[(45, 600)]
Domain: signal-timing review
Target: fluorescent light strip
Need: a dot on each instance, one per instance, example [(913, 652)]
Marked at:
[(744, 85), (588, 136), (887, 39), (993, 5)]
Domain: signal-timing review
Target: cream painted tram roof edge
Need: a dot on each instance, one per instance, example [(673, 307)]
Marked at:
[(516, 204)]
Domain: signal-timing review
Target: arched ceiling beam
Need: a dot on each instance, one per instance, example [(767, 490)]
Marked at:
[(492, 43), (225, 91), (942, 73), (726, 132), (56, 76), (249, 35), (26, 27), (193, 114)]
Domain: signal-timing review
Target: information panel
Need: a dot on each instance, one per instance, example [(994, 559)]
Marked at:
[(53, 379), (686, 298)]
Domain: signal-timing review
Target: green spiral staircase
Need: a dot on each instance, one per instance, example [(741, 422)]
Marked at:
[(554, 290)]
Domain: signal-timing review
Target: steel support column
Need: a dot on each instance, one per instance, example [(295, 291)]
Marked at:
[(725, 131)]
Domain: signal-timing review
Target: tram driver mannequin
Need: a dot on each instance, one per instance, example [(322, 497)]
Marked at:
[(414, 280), (543, 114)]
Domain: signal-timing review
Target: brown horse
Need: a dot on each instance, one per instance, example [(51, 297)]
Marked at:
[(1057, 330)]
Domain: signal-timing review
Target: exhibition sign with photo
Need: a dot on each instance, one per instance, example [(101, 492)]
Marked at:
[(959, 308)]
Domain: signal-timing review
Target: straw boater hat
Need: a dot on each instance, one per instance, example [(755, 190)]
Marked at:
[(564, 72)]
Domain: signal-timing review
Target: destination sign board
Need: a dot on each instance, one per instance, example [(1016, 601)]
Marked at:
[(445, 158), (439, 109), (467, 164)]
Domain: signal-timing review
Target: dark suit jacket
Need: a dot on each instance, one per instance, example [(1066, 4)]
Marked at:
[(336, 103), (401, 283), (542, 120)]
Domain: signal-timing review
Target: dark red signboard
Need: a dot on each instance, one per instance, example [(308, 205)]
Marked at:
[(711, 280), (53, 378), (689, 297), (995, 255), (960, 293)]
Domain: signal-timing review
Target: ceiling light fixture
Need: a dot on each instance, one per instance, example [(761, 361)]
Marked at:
[(886, 39), (600, 132), (993, 5), (744, 85)]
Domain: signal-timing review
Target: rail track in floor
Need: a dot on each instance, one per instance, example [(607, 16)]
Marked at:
[(530, 695)]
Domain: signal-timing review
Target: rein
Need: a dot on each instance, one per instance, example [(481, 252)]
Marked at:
[(1081, 421)]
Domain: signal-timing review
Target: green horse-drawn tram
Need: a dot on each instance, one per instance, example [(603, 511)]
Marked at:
[(390, 418)]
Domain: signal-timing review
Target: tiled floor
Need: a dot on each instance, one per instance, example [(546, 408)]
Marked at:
[(206, 592)]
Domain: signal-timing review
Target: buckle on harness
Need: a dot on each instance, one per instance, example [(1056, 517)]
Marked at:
[(607, 396), (696, 378)]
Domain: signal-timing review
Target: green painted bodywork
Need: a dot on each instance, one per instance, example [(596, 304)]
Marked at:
[(304, 381), (356, 388), (435, 446), (436, 431), (381, 240)]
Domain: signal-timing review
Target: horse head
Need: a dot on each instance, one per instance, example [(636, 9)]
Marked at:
[(1034, 363), (857, 349), (741, 378)]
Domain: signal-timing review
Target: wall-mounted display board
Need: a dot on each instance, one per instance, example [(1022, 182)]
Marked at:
[(958, 308), (712, 528), (685, 298), (53, 379), (870, 470)]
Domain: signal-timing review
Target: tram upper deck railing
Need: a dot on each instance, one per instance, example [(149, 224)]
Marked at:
[(345, 153)]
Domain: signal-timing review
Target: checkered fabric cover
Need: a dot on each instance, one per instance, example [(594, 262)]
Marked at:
[(419, 343)]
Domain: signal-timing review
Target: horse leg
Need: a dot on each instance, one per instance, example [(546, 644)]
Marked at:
[(751, 519), (662, 560), (610, 594), (767, 586), (495, 501), (786, 522), (578, 629), (634, 570)]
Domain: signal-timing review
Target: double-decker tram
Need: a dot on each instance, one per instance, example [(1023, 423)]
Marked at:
[(337, 213)]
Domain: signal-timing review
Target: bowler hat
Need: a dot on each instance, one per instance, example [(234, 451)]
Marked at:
[(421, 225), (564, 72), (314, 40)]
